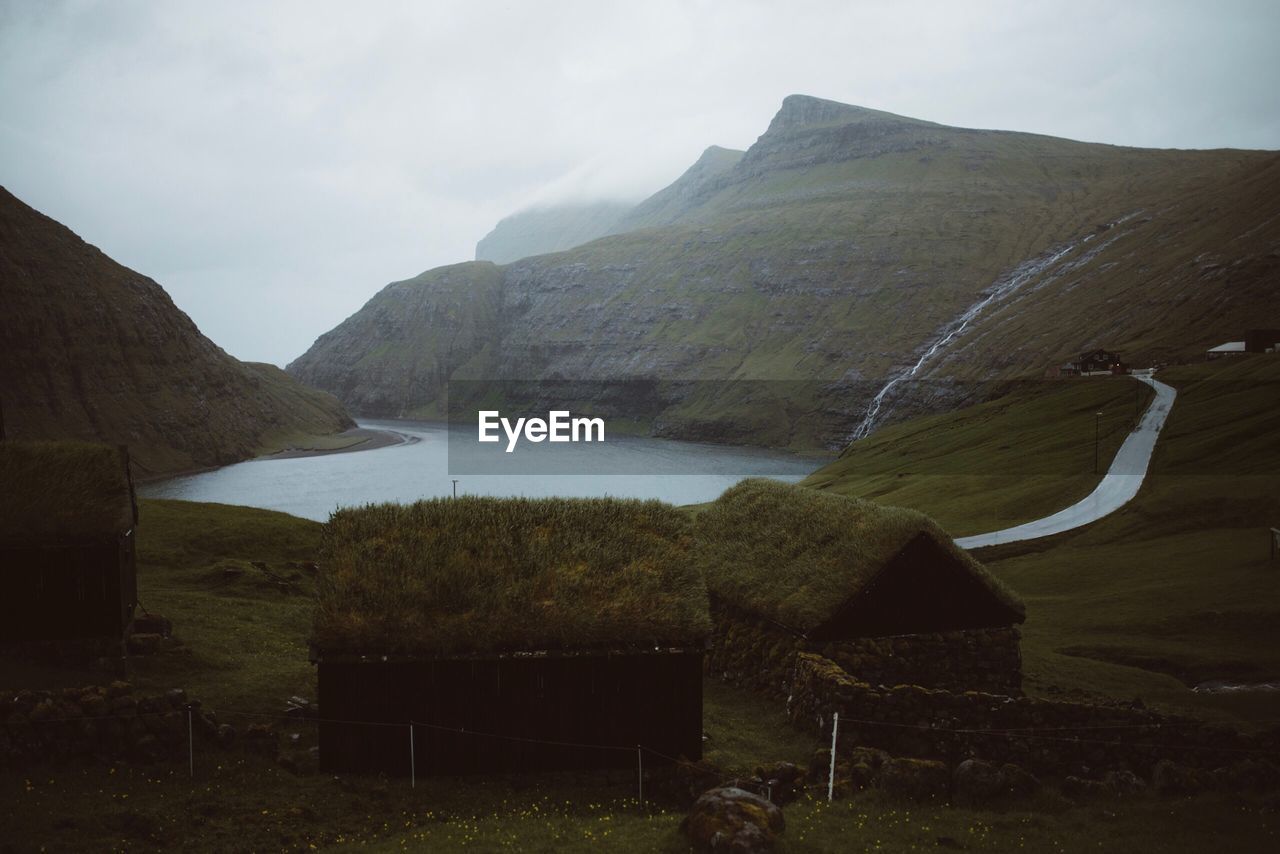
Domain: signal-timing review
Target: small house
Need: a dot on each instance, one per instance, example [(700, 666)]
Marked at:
[(67, 526), (1261, 340), (1101, 362), (1230, 348), (483, 634), (882, 591)]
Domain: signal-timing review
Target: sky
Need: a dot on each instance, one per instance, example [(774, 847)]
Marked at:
[(273, 165)]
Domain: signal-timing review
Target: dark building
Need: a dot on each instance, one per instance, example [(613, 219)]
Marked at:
[(1261, 340), (508, 635), (1101, 361), (67, 522), (882, 591)]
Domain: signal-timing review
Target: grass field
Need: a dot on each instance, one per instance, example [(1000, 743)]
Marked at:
[(1174, 589), (997, 464)]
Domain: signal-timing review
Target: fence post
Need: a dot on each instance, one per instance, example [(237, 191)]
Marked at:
[(413, 768), (640, 772), (831, 775), (1275, 542), (191, 745)]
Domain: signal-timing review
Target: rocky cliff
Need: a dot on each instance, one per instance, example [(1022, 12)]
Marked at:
[(846, 248), (93, 350)]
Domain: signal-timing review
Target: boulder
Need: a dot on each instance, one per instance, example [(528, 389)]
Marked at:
[(1170, 779), (1124, 783), (1248, 775), (729, 819), (1081, 788), (978, 782), (782, 780), (917, 779), (1021, 783)]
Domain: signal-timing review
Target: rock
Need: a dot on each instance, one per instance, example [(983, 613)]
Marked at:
[(685, 782), (227, 735), (729, 819), (1081, 788), (1169, 779), (978, 782), (917, 779), (1021, 783), (1248, 775), (118, 689), (1124, 783), (782, 780)]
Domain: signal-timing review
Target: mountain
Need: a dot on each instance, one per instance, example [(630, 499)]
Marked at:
[(93, 350), (549, 229), (675, 201), (845, 250)]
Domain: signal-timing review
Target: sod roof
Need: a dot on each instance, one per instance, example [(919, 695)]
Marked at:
[(62, 492), (489, 575), (798, 556)]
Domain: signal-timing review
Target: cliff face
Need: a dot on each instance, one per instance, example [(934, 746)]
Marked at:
[(841, 248), (93, 350)]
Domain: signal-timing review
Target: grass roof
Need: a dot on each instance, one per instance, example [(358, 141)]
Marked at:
[(797, 555), (483, 575), (59, 492)]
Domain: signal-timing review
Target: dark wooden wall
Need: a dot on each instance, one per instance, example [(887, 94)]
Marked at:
[(63, 592), (618, 700)]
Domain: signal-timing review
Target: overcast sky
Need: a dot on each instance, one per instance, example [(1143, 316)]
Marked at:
[(274, 167)]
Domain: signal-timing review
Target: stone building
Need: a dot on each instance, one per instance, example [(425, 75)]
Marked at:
[(67, 522), (484, 634), (882, 591)]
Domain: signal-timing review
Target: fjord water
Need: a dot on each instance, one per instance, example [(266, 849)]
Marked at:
[(420, 467)]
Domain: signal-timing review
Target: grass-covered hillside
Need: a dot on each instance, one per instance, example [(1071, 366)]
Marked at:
[(998, 464), (93, 350), (1173, 590), (831, 255), (1177, 588)]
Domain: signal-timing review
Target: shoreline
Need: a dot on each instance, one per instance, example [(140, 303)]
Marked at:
[(365, 439)]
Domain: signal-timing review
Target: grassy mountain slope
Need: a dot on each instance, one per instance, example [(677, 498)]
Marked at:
[(93, 350), (394, 357), (831, 255), (549, 229), (997, 464), (1174, 589)]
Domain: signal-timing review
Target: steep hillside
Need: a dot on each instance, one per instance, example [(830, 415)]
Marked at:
[(549, 229), (93, 350), (848, 248), (688, 191)]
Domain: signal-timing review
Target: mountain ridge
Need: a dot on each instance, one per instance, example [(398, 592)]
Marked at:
[(94, 350), (833, 254)]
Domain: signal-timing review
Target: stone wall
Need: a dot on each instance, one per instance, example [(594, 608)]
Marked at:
[(107, 722), (1048, 737), (759, 655)]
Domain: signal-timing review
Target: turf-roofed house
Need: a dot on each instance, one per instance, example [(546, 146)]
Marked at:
[(67, 548), (882, 591), (508, 634)]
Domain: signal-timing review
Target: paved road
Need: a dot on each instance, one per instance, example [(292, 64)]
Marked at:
[(1117, 488)]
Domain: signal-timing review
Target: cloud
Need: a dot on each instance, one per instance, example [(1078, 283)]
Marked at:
[(273, 165)]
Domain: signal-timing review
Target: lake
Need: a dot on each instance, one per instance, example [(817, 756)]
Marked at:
[(432, 456)]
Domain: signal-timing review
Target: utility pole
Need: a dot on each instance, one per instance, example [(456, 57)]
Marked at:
[(1097, 432)]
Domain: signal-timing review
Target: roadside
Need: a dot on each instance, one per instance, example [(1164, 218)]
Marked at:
[(1117, 488)]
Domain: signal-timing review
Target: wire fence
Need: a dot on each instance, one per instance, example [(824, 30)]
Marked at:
[(1055, 734)]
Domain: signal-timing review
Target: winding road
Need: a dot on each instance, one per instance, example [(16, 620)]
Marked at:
[(1116, 489)]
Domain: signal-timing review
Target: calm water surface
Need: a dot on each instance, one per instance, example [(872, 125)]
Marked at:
[(626, 467)]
